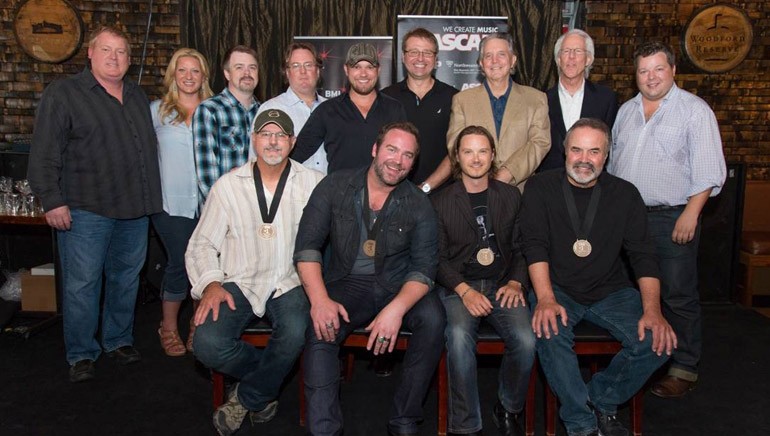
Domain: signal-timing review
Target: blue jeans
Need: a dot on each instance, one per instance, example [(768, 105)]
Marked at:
[(93, 246), (363, 300), (174, 233), (679, 291), (514, 327), (619, 314), (261, 372)]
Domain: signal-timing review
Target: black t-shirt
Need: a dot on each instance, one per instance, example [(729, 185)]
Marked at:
[(487, 239)]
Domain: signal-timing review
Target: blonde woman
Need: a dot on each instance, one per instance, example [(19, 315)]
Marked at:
[(186, 83)]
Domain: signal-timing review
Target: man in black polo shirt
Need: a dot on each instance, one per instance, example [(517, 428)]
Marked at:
[(347, 125), (428, 103), (94, 165)]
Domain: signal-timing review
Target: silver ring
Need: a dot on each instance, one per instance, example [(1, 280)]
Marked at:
[(383, 339), (329, 325)]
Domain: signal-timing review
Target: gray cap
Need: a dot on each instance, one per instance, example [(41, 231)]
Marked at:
[(362, 52), (275, 116)]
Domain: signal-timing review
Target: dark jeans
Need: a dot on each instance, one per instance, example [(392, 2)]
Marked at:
[(619, 314), (514, 327), (218, 344), (679, 291), (363, 300), (96, 247), (174, 233)]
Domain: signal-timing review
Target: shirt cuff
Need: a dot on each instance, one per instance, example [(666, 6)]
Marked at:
[(416, 276), (308, 256)]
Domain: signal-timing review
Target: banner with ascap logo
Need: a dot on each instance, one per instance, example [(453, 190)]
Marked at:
[(458, 40)]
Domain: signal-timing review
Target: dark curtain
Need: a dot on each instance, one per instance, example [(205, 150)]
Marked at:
[(213, 26)]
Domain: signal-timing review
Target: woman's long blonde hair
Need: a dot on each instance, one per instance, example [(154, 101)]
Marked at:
[(170, 101)]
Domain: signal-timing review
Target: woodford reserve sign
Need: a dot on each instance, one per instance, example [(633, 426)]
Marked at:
[(717, 38)]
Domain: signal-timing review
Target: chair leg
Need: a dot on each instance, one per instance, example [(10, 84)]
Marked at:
[(302, 405), (443, 395), (350, 361), (637, 410), (529, 408), (550, 411), (748, 293), (218, 388)]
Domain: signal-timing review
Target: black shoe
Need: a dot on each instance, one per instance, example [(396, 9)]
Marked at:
[(508, 423), (609, 425), (126, 355), (82, 370)]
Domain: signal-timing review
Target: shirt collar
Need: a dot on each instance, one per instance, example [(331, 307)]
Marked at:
[(503, 97), (295, 99), (234, 101), (563, 91)]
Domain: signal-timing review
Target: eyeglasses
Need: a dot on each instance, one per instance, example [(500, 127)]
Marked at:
[(264, 134), (569, 51), (307, 66), (427, 54)]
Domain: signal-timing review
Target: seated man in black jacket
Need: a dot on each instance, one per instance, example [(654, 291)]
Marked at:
[(481, 272), (381, 232)]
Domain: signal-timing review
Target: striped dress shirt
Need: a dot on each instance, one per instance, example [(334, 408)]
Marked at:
[(226, 248)]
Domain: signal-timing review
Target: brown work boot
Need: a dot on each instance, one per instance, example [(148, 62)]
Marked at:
[(672, 387)]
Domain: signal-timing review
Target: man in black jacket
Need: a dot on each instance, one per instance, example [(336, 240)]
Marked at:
[(482, 273), (381, 232), (574, 96)]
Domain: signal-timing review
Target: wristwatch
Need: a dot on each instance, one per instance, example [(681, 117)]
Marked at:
[(425, 188)]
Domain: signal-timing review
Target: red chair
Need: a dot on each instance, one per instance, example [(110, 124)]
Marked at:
[(258, 333)]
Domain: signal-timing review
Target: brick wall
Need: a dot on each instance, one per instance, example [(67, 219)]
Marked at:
[(740, 98), (22, 78)]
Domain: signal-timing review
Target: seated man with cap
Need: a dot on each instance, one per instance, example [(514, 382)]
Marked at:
[(239, 260)]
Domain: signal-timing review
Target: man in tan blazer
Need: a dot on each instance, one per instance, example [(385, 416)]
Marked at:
[(517, 115)]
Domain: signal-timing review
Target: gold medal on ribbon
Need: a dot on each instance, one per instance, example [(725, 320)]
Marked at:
[(370, 245), (266, 231), (581, 248), (485, 256)]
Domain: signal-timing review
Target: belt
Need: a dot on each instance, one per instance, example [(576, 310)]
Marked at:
[(663, 207)]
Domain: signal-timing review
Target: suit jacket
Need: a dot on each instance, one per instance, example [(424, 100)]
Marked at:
[(458, 232), (524, 133), (599, 102)]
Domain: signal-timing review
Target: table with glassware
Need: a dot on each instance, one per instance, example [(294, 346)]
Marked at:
[(22, 216)]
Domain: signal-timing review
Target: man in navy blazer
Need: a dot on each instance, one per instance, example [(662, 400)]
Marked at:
[(574, 97)]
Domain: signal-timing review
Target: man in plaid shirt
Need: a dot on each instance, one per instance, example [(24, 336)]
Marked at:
[(221, 123)]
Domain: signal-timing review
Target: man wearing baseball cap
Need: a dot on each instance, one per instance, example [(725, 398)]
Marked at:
[(239, 261), (347, 125)]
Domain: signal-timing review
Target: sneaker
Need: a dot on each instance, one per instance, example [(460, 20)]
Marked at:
[(228, 417), (82, 370), (609, 425), (266, 414), (507, 422)]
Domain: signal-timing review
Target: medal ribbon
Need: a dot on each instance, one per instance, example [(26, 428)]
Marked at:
[(593, 205), (268, 215), (367, 214)]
